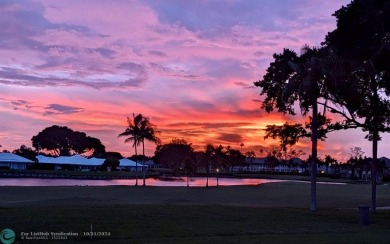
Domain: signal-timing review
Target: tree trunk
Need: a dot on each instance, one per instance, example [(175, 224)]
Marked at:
[(143, 163), (136, 166), (314, 139), (187, 177), (374, 170), (207, 175), (375, 139)]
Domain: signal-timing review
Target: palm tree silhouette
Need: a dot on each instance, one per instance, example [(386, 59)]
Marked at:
[(148, 133), (208, 154), (140, 129), (134, 135)]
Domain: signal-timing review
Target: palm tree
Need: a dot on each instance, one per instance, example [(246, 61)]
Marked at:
[(250, 155), (208, 155), (148, 133), (133, 133)]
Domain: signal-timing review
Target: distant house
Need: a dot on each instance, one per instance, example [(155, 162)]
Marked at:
[(256, 165), (386, 165), (13, 161), (262, 165), (150, 164), (127, 164), (77, 162)]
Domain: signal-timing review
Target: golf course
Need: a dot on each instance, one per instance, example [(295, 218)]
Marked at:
[(266, 213)]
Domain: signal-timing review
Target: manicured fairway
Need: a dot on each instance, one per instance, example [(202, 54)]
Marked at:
[(199, 224), (283, 194), (270, 213)]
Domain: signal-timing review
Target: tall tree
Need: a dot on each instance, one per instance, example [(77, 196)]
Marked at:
[(208, 159), (63, 141), (133, 134), (173, 154), (329, 161), (362, 41), (235, 158), (292, 78), (177, 155), (220, 157), (138, 130), (148, 133)]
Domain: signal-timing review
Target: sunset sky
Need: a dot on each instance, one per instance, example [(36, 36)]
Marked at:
[(187, 65)]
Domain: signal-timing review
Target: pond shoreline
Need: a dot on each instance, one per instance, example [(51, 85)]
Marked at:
[(75, 175), (117, 175)]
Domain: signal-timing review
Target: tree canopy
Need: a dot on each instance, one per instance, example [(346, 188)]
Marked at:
[(63, 141), (348, 75), (362, 44), (110, 164), (293, 78), (26, 152), (177, 154)]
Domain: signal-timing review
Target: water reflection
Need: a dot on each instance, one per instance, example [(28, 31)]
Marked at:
[(176, 181)]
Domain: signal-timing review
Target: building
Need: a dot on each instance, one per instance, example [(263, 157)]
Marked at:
[(263, 165), (75, 162), (13, 161), (127, 164), (80, 163)]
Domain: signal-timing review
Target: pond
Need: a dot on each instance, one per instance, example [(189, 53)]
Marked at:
[(172, 181)]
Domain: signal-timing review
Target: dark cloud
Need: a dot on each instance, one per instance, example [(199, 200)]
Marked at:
[(186, 133), (209, 125), (218, 19), (136, 83), (20, 102), (61, 109), (246, 113), (157, 53), (104, 52), (244, 85), (10, 76), (131, 66), (174, 72), (258, 53), (228, 137), (16, 75)]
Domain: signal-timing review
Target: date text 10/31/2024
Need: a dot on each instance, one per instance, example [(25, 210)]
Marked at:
[(97, 233)]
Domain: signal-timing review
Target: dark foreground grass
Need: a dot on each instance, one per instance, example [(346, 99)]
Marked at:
[(268, 213), (197, 224)]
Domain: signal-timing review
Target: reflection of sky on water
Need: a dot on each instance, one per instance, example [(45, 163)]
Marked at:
[(177, 181), (174, 181)]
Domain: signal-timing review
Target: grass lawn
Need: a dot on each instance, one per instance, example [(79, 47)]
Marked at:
[(269, 213)]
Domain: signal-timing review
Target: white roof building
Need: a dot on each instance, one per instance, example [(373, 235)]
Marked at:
[(96, 161), (126, 163), (83, 162), (72, 160), (13, 161)]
